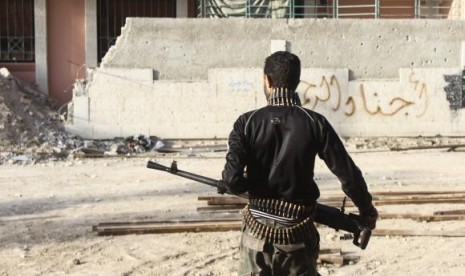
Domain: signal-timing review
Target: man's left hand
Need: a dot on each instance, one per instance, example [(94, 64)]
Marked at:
[(369, 216)]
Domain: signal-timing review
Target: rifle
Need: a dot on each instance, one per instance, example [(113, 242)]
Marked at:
[(330, 216)]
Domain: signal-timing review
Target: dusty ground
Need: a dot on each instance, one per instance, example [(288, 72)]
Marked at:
[(47, 210)]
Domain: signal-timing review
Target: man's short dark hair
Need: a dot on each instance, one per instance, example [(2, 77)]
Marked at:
[(283, 68)]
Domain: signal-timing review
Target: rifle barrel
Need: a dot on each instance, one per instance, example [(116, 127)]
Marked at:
[(191, 176), (199, 178)]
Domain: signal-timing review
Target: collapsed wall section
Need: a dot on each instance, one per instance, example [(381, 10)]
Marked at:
[(184, 49), (457, 10), (163, 81)]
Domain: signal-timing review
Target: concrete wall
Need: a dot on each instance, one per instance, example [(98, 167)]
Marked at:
[(124, 102), (168, 109), (126, 98), (197, 45)]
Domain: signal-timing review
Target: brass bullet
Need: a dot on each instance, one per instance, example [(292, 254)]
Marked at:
[(293, 211), (292, 235), (267, 232), (288, 213), (299, 211), (262, 231)]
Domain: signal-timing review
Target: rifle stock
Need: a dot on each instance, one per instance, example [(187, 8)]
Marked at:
[(326, 215)]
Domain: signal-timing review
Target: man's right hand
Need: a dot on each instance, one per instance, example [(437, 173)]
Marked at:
[(369, 216)]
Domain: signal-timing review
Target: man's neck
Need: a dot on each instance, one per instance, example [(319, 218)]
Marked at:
[(283, 97)]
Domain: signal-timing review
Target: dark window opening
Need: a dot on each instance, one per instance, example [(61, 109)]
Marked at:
[(17, 31), (112, 16)]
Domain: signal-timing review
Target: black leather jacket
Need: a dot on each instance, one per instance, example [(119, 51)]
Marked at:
[(278, 145)]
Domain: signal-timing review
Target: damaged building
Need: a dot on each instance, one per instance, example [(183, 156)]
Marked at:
[(187, 69)]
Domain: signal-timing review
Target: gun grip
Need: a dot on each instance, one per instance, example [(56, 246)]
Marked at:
[(362, 237)]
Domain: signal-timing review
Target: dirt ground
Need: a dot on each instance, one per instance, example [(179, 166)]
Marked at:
[(47, 210)]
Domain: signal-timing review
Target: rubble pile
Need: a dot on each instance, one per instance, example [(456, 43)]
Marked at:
[(30, 126), (28, 120), (32, 129)]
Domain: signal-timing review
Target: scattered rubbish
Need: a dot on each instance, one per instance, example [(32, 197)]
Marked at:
[(22, 158), (159, 145), (77, 262)]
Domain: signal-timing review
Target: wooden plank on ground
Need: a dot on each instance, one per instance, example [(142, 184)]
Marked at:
[(154, 227), (417, 233), (157, 228), (328, 250), (449, 212), (393, 193), (219, 200), (238, 218), (227, 200), (149, 223), (420, 201), (452, 147), (220, 207), (403, 193), (331, 259), (440, 218), (207, 210), (420, 217)]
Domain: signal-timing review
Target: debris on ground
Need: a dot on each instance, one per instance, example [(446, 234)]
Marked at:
[(32, 130), (29, 123), (393, 143)]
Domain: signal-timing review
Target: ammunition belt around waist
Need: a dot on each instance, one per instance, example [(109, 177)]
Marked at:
[(296, 221), (281, 209)]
